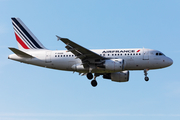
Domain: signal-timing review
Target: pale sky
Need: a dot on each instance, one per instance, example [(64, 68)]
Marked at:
[(29, 92)]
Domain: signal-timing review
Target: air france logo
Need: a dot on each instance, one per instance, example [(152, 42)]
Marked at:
[(119, 51), (138, 51)]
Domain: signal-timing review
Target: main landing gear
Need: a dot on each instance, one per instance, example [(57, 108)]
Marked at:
[(145, 73), (94, 83), (90, 76)]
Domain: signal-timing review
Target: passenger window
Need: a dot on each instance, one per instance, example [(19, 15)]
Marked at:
[(160, 54), (108, 54), (55, 56), (112, 54), (69, 55), (103, 54), (64, 55), (156, 53), (139, 53), (58, 55), (61, 55)]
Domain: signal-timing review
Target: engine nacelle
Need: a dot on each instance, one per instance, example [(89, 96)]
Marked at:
[(120, 76), (114, 64), (78, 67)]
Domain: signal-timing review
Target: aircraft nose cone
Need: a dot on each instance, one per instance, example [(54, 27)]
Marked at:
[(169, 61)]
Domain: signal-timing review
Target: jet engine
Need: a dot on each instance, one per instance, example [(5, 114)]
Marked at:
[(114, 64), (118, 76), (78, 67)]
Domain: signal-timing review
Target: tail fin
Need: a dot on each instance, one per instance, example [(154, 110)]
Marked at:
[(24, 37)]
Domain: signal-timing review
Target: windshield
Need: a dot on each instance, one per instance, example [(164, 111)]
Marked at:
[(160, 54)]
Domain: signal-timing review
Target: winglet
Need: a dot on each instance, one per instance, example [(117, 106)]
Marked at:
[(62, 39), (20, 53), (58, 38)]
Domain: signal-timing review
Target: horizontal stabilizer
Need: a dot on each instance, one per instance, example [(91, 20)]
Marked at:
[(20, 53)]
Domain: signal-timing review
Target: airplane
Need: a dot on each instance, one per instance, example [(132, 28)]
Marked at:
[(113, 64)]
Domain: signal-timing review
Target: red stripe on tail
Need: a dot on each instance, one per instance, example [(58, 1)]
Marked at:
[(21, 42)]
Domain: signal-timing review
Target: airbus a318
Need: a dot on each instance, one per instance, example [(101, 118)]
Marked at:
[(113, 64)]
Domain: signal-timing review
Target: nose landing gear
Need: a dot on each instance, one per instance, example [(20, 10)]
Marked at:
[(145, 73)]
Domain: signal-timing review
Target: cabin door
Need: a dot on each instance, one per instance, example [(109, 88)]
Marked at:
[(145, 54), (48, 57)]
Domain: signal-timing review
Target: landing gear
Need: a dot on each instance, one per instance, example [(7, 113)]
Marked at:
[(89, 76), (145, 73), (94, 82), (146, 78)]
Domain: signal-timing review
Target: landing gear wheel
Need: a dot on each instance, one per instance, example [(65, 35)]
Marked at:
[(89, 76), (145, 73), (94, 83), (146, 79)]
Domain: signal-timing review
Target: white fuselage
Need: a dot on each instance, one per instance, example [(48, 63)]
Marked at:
[(112, 64), (135, 59)]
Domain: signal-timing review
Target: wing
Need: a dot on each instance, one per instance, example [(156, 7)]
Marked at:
[(79, 51)]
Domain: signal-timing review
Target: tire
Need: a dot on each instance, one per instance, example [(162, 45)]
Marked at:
[(146, 79), (90, 76), (94, 83)]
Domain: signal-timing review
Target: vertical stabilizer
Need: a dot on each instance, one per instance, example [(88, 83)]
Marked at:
[(25, 38)]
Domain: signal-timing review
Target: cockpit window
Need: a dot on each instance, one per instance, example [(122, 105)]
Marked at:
[(160, 54)]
